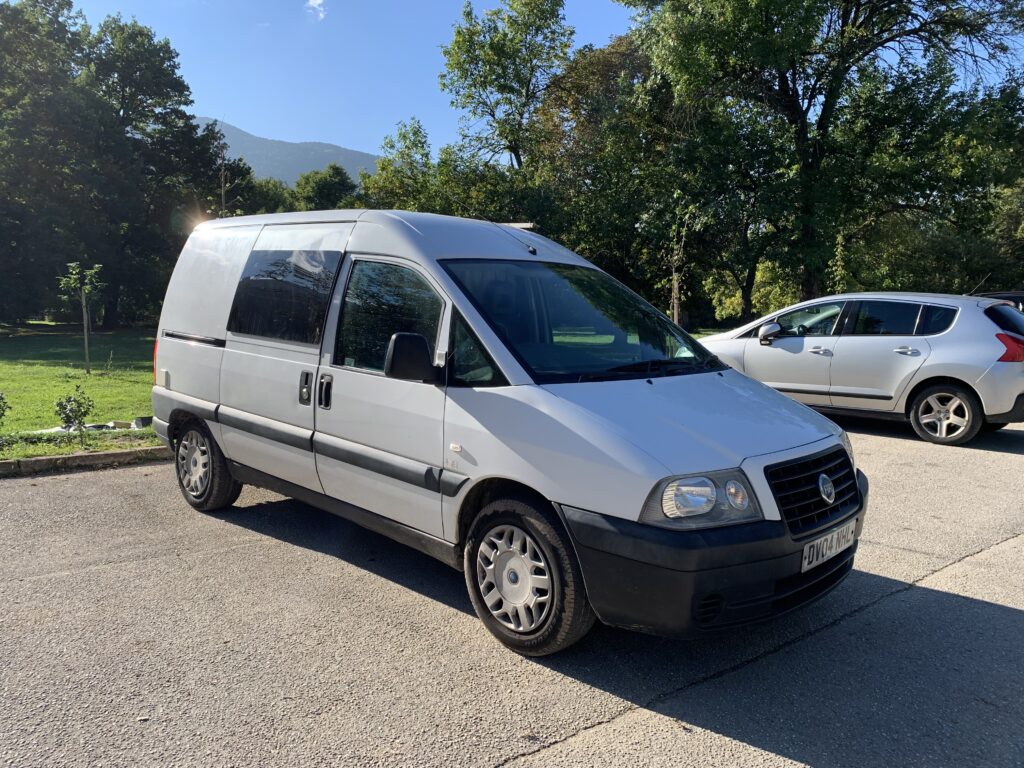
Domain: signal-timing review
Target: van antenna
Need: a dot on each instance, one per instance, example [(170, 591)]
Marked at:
[(983, 281)]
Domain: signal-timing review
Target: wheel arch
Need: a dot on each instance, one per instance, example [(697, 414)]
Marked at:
[(488, 489), (935, 381)]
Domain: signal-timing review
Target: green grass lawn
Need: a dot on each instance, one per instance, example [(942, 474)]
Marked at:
[(41, 363)]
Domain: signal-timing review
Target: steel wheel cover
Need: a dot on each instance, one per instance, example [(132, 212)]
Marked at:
[(514, 578), (194, 463)]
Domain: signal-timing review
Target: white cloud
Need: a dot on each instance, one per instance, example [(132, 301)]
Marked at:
[(318, 8)]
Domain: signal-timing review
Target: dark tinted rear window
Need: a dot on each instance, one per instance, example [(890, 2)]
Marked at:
[(886, 318), (1007, 318), (284, 295), (935, 320)]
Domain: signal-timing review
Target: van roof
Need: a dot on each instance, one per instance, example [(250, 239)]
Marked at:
[(429, 236)]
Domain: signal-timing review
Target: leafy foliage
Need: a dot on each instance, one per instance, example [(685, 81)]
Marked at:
[(73, 410)]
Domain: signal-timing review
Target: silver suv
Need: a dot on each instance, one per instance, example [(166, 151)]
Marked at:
[(952, 365)]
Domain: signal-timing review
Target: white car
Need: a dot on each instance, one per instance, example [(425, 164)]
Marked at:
[(952, 365), (494, 400)]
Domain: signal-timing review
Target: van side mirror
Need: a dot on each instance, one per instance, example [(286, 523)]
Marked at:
[(409, 359), (767, 332)]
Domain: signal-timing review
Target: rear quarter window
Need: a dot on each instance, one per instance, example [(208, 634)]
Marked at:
[(935, 320), (1007, 318)]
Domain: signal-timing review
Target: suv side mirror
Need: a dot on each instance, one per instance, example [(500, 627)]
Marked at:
[(409, 359), (767, 332)]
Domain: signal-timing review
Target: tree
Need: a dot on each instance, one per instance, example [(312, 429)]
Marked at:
[(324, 190), (498, 67), (82, 285), (802, 60)]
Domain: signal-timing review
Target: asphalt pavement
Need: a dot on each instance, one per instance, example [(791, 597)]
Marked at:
[(137, 632)]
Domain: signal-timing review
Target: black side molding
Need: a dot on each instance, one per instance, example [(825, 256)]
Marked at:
[(796, 391), (208, 340), (440, 549), (293, 436), (396, 467)]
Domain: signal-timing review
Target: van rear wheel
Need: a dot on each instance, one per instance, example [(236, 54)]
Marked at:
[(523, 578), (202, 471)]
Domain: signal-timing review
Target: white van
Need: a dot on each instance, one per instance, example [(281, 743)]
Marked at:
[(486, 396)]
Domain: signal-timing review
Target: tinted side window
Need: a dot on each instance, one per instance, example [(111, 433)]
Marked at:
[(380, 301), (886, 318), (284, 295), (935, 320), (816, 320), (471, 366), (1007, 318)]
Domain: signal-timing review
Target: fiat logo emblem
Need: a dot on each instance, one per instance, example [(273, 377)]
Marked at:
[(828, 491)]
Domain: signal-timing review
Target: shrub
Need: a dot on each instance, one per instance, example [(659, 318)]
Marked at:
[(73, 409), (4, 408)]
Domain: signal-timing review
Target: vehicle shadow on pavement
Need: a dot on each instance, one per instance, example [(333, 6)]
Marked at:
[(1006, 440), (879, 672), (296, 523), (921, 677)]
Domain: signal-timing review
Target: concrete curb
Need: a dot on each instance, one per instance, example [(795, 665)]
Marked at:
[(75, 461)]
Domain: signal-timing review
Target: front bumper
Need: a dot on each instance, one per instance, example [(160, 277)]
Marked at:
[(680, 582)]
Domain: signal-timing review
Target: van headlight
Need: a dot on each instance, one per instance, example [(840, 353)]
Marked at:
[(848, 445), (702, 501)]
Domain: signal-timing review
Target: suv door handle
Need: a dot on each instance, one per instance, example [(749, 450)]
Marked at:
[(324, 390), (820, 351), (305, 388), (905, 351)]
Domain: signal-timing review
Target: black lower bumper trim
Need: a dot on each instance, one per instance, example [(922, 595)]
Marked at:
[(674, 583)]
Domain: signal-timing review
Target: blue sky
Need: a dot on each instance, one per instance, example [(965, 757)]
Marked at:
[(343, 71)]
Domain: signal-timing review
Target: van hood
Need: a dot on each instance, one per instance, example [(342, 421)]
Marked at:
[(698, 422)]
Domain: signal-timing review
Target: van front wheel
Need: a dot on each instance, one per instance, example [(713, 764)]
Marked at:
[(523, 578), (203, 475)]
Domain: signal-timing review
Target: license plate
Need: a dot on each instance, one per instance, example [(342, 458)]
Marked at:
[(818, 551)]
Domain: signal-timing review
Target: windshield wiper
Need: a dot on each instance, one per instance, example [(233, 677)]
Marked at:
[(648, 367)]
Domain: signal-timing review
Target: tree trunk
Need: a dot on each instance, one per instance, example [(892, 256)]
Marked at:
[(675, 294), (85, 331), (111, 312), (747, 293)]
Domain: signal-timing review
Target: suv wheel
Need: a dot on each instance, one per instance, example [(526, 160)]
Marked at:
[(203, 475), (523, 578), (946, 414)]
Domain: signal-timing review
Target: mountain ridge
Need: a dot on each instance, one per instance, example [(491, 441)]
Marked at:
[(287, 160)]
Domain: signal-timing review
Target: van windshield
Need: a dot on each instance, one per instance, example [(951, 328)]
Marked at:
[(571, 323)]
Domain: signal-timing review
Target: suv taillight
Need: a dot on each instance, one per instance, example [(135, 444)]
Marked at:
[(1014, 348)]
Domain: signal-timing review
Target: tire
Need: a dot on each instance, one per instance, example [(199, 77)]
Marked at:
[(202, 471), (989, 426), (947, 414), (512, 538)]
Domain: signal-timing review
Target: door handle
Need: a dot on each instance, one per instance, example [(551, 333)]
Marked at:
[(305, 388), (905, 351), (820, 351), (324, 390)]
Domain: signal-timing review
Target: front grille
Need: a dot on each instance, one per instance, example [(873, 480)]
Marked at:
[(795, 487)]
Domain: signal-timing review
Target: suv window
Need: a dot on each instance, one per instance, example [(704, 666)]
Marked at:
[(886, 318), (816, 320), (1007, 318), (471, 366), (284, 295), (935, 320), (382, 300)]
